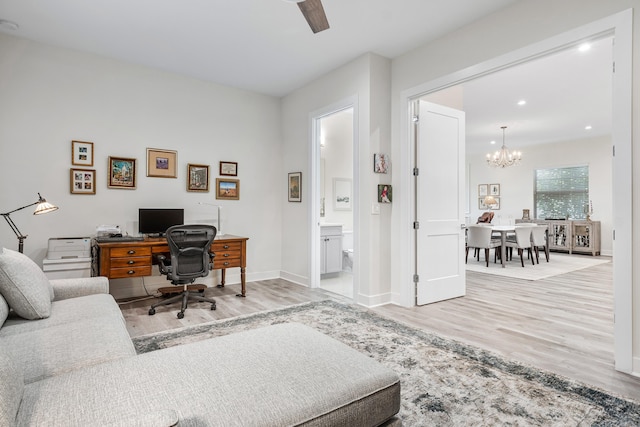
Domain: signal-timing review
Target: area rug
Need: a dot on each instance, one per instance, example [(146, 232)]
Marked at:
[(444, 382), (558, 264)]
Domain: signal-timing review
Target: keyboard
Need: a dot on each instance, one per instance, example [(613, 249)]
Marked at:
[(107, 239)]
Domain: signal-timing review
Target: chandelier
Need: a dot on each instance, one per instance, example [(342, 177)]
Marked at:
[(504, 158)]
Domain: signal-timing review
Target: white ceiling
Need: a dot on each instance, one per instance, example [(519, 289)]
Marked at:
[(266, 46)]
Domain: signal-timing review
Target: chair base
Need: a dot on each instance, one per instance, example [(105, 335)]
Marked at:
[(172, 290), (185, 296)]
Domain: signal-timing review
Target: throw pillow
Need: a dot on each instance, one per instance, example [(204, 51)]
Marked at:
[(4, 310), (24, 285)]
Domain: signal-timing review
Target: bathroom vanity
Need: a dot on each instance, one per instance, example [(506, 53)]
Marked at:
[(330, 248)]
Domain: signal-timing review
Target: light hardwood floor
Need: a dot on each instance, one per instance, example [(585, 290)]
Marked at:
[(563, 324)]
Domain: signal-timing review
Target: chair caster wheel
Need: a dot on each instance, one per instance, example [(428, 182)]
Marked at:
[(180, 315), (152, 311), (213, 306)]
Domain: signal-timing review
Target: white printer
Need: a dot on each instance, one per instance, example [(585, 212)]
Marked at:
[(68, 257)]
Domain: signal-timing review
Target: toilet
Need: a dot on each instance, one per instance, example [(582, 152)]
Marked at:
[(347, 251)]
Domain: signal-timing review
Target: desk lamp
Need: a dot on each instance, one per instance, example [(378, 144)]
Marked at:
[(219, 231), (42, 208)]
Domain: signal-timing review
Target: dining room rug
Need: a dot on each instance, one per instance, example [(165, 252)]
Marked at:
[(443, 382), (558, 264)]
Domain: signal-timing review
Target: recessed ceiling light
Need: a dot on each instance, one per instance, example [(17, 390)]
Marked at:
[(522, 102), (8, 25), (584, 47), (587, 127), (492, 142)]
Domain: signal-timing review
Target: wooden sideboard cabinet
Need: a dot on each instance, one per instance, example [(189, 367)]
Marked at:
[(568, 235)]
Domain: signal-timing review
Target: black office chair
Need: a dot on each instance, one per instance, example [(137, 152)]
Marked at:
[(191, 258)]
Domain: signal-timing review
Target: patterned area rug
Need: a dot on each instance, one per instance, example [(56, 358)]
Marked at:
[(444, 382), (558, 264)]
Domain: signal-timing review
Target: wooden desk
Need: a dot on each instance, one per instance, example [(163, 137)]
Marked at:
[(117, 260)]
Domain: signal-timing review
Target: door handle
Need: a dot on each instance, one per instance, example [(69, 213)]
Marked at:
[(463, 226)]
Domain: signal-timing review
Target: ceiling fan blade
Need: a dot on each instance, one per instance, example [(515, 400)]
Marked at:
[(314, 14)]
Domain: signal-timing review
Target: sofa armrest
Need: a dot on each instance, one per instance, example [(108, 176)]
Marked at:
[(79, 287)]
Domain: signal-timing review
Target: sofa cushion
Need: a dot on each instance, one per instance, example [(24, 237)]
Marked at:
[(24, 285), (67, 347), (280, 375), (68, 311), (11, 389)]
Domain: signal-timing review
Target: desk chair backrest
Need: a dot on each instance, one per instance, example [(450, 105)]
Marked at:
[(189, 246)]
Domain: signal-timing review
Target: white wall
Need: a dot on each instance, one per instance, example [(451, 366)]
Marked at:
[(51, 96), (367, 79), (515, 27), (517, 182)]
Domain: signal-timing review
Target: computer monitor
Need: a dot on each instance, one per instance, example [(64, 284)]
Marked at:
[(156, 221)]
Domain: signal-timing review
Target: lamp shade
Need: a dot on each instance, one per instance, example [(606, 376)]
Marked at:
[(490, 200)]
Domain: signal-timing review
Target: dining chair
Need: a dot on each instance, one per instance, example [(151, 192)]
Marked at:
[(539, 241), (479, 237), (522, 241)]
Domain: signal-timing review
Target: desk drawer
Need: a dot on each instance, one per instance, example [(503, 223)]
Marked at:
[(118, 273), (130, 251), (226, 262), (134, 261)]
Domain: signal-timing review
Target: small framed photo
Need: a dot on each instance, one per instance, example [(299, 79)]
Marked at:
[(229, 168), (380, 163), (81, 153), (227, 189), (481, 204), (342, 194), (83, 181), (294, 186), (162, 163), (122, 173), (483, 190), (384, 193), (198, 178), (494, 189)]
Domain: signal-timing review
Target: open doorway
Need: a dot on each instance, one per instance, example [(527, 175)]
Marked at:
[(620, 27), (336, 202)]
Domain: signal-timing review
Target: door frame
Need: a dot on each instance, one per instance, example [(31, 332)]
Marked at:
[(314, 206), (620, 26)]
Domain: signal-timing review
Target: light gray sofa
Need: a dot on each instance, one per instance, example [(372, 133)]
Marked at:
[(66, 359)]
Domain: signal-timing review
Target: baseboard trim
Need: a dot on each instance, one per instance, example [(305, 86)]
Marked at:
[(295, 278)]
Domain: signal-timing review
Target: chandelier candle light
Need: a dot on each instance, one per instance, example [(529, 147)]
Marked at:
[(504, 158)]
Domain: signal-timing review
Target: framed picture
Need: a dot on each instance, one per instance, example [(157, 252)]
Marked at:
[(483, 190), (83, 181), (494, 189), (481, 204), (229, 168), (294, 185), (81, 153), (162, 163), (198, 178), (380, 163), (525, 214), (227, 189), (342, 194), (122, 173), (384, 193)]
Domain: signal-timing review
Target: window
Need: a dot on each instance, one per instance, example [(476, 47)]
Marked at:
[(562, 192)]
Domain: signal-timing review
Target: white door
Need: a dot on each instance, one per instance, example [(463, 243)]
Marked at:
[(440, 189)]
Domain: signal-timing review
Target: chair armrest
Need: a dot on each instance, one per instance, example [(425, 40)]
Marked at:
[(162, 265), (79, 287)]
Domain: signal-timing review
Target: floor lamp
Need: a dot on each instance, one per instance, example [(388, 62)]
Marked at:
[(42, 207)]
